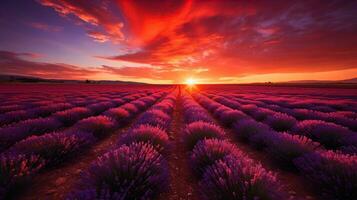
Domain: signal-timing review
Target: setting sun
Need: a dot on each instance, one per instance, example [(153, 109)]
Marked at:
[(190, 81)]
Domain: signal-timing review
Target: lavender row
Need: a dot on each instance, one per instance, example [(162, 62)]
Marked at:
[(302, 101), (37, 152), (50, 108), (136, 168), (330, 135), (25, 103), (224, 172), (16, 132), (343, 118), (333, 172)]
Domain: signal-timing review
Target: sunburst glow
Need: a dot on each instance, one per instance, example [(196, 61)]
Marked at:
[(190, 81)]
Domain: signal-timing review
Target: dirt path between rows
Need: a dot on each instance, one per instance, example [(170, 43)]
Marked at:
[(182, 184)]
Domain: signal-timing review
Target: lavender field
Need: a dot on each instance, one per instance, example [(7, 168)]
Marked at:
[(211, 142)]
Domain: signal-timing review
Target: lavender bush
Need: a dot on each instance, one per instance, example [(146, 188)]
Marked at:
[(147, 134), (99, 126), (239, 178), (15, 116), (228, 117), (137, 171), (262, 139), (16, 170), (55, 147), (71, 116), (119, 115), (207, 152), (280, 121), (261, 114), (131, 108), (335, 174), (155, 118), (98, 108), (11, 134), (284, 148), (247, 128), (139, 104), (328, 134), (197, 131)]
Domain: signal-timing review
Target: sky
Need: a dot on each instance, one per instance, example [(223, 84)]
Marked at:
[(156, 41)]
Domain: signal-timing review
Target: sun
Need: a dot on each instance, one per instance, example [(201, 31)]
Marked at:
[(190, 82)]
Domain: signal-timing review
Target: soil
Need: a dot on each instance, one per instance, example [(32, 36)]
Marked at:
[(183, 186)]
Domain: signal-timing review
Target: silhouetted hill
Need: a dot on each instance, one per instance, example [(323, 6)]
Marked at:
[(353, 80), (5, 78)]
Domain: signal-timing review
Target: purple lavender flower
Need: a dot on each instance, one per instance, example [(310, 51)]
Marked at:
[(341, 120), (148, 100), (15, 171), (249, 108), (99, 126), (280, 121), (305, 114), (260, 114), (148, 134), (239, 178), (119, 115), (71, 116), (193, 112), (328, 134), (246, 128), (197, 131), (131, 108), (155, 118), (9, 108), (49, 109), (349, 114), (284, 148), (16, 132), (139, 104), (55, 147), (228, 117), (217, 112), (137, 171), (206, 152), (15, 116), (98, 108), (262, 139), (335, 174)]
